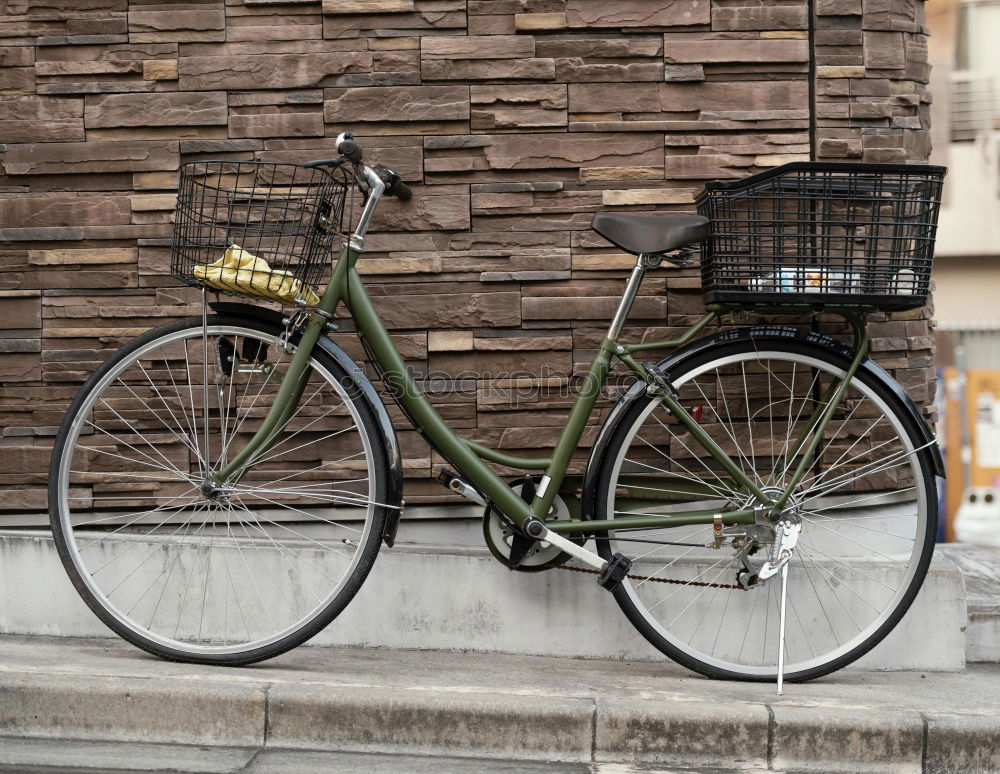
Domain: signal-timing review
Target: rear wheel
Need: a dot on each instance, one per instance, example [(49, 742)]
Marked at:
[(866, 505), (231, 575)]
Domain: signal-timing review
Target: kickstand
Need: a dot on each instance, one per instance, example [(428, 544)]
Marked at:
[(781, 630)]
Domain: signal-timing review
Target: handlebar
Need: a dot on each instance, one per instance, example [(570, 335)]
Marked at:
[(393, 185), (351, 151)]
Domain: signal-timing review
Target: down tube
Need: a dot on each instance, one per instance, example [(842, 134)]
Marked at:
[(426, 419)]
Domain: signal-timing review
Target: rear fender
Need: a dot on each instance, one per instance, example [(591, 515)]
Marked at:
[(363, 388), (761, 334)]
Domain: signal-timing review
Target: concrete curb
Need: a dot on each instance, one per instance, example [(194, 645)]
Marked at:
[(859, 739), (241, 712), (682, 732), (130, 710), (962, 743), (450, 723)]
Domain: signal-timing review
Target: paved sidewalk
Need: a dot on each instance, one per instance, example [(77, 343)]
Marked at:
[(501, 707)]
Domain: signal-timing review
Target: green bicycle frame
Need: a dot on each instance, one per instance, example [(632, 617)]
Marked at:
[(470, 459)]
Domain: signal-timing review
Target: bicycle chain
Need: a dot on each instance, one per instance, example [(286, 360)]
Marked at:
[(658, 580)]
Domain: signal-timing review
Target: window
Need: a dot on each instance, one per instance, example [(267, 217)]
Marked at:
[(975, 92)]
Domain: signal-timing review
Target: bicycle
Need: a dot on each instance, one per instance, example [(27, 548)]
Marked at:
[(761, 501)]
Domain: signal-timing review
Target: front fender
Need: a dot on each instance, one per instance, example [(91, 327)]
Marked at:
[(368, 393), (762, 334)]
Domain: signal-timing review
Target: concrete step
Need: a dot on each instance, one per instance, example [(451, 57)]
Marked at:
[(501, 707), (980, 567), (459, 597)]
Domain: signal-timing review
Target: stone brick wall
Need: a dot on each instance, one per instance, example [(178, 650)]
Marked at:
[(514, 121)]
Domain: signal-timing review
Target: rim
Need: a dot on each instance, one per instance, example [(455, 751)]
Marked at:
[(258, 520), (811, 569)]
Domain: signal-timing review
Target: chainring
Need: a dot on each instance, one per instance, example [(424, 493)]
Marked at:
[(498, 532)]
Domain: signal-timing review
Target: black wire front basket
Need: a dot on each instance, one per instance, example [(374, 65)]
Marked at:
[(258, 229), (815, 233)]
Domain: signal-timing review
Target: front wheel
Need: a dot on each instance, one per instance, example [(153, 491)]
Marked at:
[(228, 575), (866, 505)]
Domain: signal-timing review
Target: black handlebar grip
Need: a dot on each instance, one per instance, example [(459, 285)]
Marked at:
[(324, 163), (351, 150), (402, 191), (393, 185)]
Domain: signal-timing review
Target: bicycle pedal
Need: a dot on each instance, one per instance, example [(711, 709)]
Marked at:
[(614, 572), (451, 480)]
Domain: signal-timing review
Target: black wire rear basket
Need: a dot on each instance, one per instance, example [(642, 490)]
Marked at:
[(257, 229), (816, 233)]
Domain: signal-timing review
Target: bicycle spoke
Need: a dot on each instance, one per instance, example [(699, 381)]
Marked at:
[(698, 595), (263, 383), (170, 467), (852, 504), (198, 570), (853, 523), (697, 457), (802, 628), (191, 428), (288, 437), (282, 550), (194, 421), (805, 570), (696, 577), (725, 425), (149, 554), (714, 488), (878, 466), (156, 414), (848, 567), (166, 582), (792, 423), (823, 577), (348, 498), (118, 516), (138, 515), (860, 508)]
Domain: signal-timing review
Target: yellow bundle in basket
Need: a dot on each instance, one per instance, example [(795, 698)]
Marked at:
[(239, 271)]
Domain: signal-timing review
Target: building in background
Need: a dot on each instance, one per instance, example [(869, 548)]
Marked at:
[(965, 82)]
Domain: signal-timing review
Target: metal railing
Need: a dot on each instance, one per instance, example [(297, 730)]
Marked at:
[(975, 104)]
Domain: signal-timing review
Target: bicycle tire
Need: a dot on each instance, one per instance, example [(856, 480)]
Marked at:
[(811, 563), (298, 542)]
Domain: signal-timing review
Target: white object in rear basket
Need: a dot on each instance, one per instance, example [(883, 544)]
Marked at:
[(807, 279)]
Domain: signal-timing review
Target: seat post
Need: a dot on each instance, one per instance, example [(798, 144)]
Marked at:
[(643, 261)]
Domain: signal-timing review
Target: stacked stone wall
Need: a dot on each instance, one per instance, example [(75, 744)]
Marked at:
[(513, 120)]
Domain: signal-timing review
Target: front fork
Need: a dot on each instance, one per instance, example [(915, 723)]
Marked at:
[(294, 380), (293, 383)]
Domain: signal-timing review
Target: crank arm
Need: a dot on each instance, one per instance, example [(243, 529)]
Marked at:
[(587, 557)]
